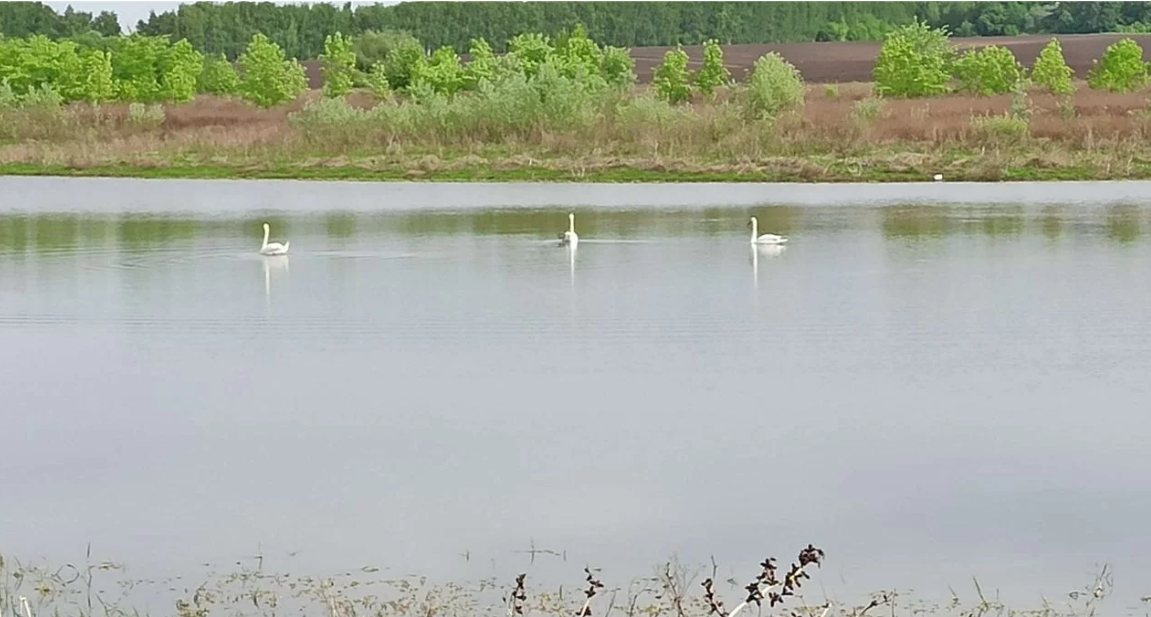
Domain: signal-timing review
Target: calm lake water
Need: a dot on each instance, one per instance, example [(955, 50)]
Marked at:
[(932, 382)]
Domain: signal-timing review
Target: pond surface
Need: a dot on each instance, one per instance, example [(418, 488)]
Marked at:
[(932, 382)]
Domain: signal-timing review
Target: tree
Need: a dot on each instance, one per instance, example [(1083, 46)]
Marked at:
[(218, 76), (618, 67), (269, 79), (713, 73), (1121, 69), (482, 66), (338, 65), (775, 85), (442, 73), (671, 79), (398, 52), (377, 81), (1051, 70), (180, 67), (915, 61), (531, 50), (987, 71)]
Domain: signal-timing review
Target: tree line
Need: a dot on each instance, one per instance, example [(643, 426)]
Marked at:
[(301, 29)]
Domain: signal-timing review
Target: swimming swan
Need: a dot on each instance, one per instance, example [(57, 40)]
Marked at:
[(765, 238), (569, 236), (274, 248)]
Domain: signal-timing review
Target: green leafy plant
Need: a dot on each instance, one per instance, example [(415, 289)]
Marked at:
[(219, 76), (775, 85), (268, 78), (397, 51), (915, 61), (868, 110), (713, 73), (377, 82), (531, 51), (1121, 69), (578, 55), (482, 64), (988, 71), (672, 80), (618, 67), (831, 91), (338, 65), (146, 117), (443, 72), (1051, 70)]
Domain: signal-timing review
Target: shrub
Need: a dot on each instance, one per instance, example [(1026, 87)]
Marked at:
[(269, 79), (1121, 70), (443, 72), (831, 91), (146, 117), (671, 79), (338, 64), (775, 85), (915, 61), (988, 71), (398, 51), (377, 82), (618, 67), (578, 54), (1000, 130), (868, 110), (531, 51), (218, 76), (93, 83), (713, 73), (1051, 70), (482, 66)]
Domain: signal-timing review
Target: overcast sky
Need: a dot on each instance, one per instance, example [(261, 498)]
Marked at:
[(131, 12)]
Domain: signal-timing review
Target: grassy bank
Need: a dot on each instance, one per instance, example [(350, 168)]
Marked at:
[(842, 134)]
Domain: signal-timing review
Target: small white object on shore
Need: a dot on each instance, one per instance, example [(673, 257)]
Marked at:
[(939, 177)]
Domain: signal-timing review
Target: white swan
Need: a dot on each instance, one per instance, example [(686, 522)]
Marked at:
[(569, 236), (275, 248), (765, 238)]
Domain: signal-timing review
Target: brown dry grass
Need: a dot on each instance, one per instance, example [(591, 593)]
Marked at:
[(828, 140)]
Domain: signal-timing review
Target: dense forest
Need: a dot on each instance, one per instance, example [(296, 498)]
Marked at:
[(301, 28)]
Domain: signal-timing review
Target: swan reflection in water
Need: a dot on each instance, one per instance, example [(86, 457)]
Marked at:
[(278, 262), (767, 250)]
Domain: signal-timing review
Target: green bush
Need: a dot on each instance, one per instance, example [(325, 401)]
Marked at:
[(1001, 130), (775, 85), (75, 74), (146, 117), (868, 110), (1051, 70), (831, 91), (268, 78), (915, 61), (443, 72), (397, 51), (218, 76), (713, 73), (149, 69), (377, 82), (338, 65), (531, 51), (482, 66), (1121, 69), (578, 55), (988, 71), (618, 67), (672, 80)]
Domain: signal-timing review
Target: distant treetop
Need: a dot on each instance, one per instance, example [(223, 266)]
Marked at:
[(301, 29)]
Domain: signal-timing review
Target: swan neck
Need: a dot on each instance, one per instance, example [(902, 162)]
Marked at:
[(265, 245), (754, 229), (571, 223)]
